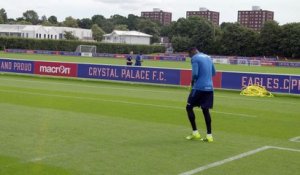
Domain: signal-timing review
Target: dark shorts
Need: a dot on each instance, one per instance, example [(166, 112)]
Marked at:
[(203, 99)]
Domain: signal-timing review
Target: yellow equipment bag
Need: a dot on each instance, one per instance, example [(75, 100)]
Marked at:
[(256, 90)]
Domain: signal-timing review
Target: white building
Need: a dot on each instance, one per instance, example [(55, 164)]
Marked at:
[(127, 37), (43, 32)]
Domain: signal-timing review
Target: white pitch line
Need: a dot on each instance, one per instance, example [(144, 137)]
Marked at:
[(37, 159), (295, 139), (144, 90), (260, 100), (237, 114), (124, 102), (240, 156), (286, 149), (218, 163), (89, 86)]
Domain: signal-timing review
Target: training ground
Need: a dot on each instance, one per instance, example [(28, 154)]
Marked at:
[(67, 126)]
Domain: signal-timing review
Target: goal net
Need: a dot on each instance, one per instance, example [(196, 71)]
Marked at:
[(86, 50), (254, 63), (242, 62)]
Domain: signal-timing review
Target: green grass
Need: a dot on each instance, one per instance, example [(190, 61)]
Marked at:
[(168, 64), (62, 126), (273, 161)]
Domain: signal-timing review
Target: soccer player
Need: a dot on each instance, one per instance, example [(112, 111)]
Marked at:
[(129, 59), (202, 93), (138, 60)]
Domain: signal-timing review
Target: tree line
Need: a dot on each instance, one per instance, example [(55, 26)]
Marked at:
[(226, 39), (235, 39)]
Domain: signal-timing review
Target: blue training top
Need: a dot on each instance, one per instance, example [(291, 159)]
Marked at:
[(138, 60), (202, 71)]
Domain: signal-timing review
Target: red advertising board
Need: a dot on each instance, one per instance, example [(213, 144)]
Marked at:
[(268, 63), (30, 51), (55, 69), (289, 84), (217, 80), (186, 75), (120, 56)]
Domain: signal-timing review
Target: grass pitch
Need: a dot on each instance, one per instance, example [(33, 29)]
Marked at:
[(63, 126)]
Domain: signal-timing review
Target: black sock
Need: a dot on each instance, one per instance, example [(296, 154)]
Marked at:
[(207, 119), (191, 115)]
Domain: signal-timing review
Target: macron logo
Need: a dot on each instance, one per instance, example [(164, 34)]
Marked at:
[(55, 70)]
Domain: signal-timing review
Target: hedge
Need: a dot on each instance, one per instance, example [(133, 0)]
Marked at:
[(68, 45)]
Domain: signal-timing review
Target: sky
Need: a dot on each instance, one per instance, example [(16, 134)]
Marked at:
[(286, 11)]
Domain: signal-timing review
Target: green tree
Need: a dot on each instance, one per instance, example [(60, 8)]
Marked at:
[(1, 20), (250, 43), (202, 34), (47, 23), (85, 23), (103, 23), (22, 21), (216, 46), (166, 31), (230, 41), (44, 21), (149, 27), (121, 27), (97, 32), (98, 19), (69, 36), (181, 28), (181, 43), (31, 16), (107, 26), (238, 40), (11, 21), (3, 15), (44, 18), (269, 38), (53, 19), (132, 21), (118, 20), (199, 30), (70, 22), (290, 40)]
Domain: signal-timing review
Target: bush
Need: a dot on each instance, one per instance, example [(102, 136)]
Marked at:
[(70, 45)]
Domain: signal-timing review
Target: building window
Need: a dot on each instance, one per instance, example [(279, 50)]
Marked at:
[(26, 35), (44, 35), (37, 35), (40, 35)]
